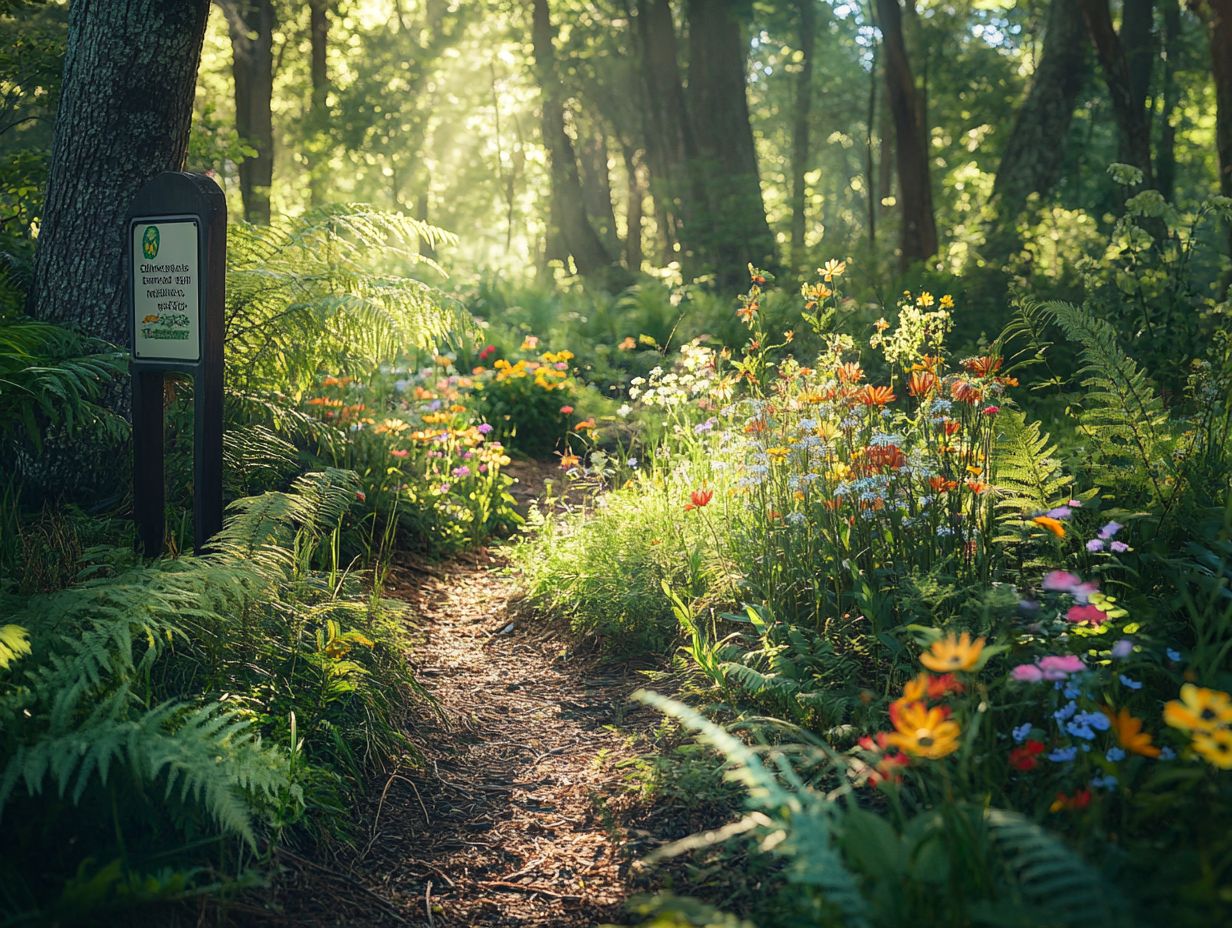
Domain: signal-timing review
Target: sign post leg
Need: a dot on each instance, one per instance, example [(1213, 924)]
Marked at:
[(149, 491)]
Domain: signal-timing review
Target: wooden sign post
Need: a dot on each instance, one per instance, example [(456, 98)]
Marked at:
[(175, 270)]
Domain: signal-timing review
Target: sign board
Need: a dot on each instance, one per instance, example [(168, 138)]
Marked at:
[(175, 273), (166, 277)]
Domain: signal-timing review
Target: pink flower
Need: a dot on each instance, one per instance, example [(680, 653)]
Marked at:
[(1082, 592), (1027, 673), (1061, 581), (991, 410), (1060, 666), (399, 452), (1086, 613)]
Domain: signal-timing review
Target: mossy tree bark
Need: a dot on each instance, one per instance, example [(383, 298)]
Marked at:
[(125, 110)]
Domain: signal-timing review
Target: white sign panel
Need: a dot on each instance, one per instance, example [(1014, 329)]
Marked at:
[(166, 287)]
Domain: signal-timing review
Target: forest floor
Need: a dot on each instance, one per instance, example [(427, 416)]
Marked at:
[(521, 812)]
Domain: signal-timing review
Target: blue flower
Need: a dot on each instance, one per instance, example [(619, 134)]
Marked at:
[(1115, 755), (1131, 684), (1066, 712), (1062, 755), (1104, 781), (1166, 753), (1122, 648), (1072, 690), (1079, 730), (1174, 656), (1020, 733)]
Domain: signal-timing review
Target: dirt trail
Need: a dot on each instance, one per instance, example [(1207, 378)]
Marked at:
[(516, 816)]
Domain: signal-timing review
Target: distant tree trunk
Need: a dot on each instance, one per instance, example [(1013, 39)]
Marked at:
[(251, 24), (568, 204), (635, 201), (1123, 77), (597, 187), (318, 33), (806, 11), (736, 231), (1034, 152), (885, 159), (1165, 156), (112, 134), (870, 173), (669, 141), (1218, 17), (918, 240)]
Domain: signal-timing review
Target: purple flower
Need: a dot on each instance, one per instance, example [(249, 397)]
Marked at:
[(1061, 512), (1061, 581), (1122, 648), (1109, 530), (484, 429), (1119, 547), (461, 471), (1060, 666), (1095, 544)]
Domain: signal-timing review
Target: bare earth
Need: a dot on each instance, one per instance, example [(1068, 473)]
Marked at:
[(518, 816)]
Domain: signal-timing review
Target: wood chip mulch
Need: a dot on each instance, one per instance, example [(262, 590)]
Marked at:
[(517, 815)]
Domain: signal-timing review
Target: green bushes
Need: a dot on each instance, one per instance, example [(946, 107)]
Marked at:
[(178, 717)]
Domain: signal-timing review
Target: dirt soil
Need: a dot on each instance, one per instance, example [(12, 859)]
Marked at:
[(517, 815)]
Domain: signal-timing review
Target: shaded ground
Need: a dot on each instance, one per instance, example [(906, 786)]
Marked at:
[(518, 816)]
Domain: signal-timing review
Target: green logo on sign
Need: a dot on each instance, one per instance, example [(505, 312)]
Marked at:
[(149, 242)]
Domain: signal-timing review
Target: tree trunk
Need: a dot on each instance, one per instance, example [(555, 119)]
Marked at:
[(568, 204), (1165, 154), (870, 172), (318, 33), (806, 11), (597, 187), (635, 200), (918, 236), (1034, 151), (251, 24), (1125, 83), (669, 141), (1218, 17), (735, 231), (114, 131)]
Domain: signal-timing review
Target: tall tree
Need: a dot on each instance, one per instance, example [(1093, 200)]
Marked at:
[(318, 115), (802, 105), (734, 231), (251, 25), (918, 235), (1034, 152), (670, 147), (1165, 153), (112, 135), (575, 232), (1125, 60), (1218, 17)]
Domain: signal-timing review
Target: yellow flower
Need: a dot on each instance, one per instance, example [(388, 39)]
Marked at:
[(924, 300), (947, 302), (1215, 747), (924, 732), (1053, 525), (778, 454), (953, 653), (1129, 733), (833, 268), (1199, 709)]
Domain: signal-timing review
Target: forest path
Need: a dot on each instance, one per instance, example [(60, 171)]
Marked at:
[(518, 815)]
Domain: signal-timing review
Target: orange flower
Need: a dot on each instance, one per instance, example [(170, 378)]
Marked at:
[(1129, 733), (953, 653), (941, 484), (1063, 803), (966, 392), (885, 456), (875, 396), (747, 312), (698, 499), (982, 366), (1053, 525), (921, 383), (950, 426), (849, 373), (924, 732), (568, 460), (979, 489)]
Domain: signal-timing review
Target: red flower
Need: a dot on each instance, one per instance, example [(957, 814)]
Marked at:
[(1026, 756), (487, 352), (942, 685), (566, 410), (698, 499), (1080, 800)]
